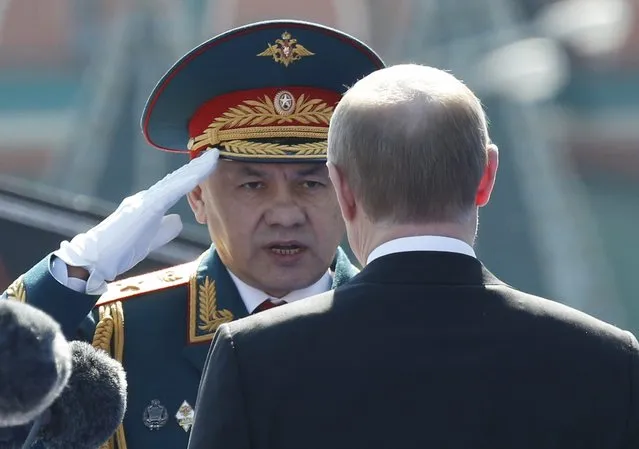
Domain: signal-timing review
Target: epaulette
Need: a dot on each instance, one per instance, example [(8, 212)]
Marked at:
[(148, 282)]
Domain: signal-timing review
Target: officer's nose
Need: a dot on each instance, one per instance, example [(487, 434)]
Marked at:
[(285, 210)]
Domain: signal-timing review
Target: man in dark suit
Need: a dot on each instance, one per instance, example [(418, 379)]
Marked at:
[(425, 348)]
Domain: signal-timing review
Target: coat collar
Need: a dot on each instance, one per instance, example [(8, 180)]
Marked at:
[(427, 267), (214, 300)]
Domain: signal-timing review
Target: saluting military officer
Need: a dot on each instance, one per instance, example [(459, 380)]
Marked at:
[(251, 108)]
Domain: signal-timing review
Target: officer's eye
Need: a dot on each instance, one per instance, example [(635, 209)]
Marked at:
[(255, 185), (312, 184)]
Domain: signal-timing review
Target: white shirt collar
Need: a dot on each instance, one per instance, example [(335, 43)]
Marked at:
[(252, 297), (421, 243)]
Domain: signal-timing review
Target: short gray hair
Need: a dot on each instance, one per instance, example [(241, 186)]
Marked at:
[(412, 142)]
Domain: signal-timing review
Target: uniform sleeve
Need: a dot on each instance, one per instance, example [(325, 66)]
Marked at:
[(220, 408), (40, 289)]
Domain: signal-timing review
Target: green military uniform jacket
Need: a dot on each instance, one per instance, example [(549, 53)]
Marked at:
[(159, 325)]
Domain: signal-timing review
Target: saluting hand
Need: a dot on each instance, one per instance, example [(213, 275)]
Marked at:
[(138, 226)]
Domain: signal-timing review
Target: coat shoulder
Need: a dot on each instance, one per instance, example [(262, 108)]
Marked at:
[(289, 316)]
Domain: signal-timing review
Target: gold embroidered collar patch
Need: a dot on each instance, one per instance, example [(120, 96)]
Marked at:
[(204, 315)]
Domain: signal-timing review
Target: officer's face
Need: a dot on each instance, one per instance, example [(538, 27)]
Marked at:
[(276, 225)]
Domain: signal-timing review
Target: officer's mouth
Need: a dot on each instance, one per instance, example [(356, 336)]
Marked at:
[(284, 249)]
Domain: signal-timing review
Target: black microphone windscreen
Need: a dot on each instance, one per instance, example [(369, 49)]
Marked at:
[(91, 407), (35, 362)]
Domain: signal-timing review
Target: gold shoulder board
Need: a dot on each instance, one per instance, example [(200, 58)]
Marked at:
[(148, 282)]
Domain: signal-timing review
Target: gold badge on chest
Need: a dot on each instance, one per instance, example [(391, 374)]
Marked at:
[(185, 416)]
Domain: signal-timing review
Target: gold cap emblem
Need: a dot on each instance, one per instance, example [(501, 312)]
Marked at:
[(284, 102), (286, 50)]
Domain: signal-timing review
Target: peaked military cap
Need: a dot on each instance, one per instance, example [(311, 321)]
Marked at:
[(261, 92)]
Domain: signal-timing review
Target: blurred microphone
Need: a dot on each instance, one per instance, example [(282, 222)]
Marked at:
[(35, 362), (92, 405), (85, 412)]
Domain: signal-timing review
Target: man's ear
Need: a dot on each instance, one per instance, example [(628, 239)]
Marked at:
[(196, 202), (487, 182), (345, 196)]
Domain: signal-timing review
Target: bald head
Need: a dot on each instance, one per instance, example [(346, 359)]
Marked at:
[(408, 84), (411, 141)]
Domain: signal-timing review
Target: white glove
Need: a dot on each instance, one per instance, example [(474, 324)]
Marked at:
[(137, 227)]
